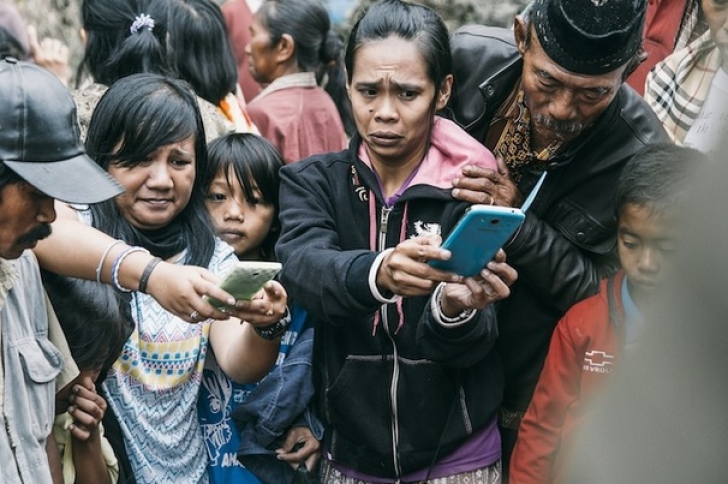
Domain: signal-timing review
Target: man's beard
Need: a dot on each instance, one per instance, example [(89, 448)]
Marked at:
[(40, 232)]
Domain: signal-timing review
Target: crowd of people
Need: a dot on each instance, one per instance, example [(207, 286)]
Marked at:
[(195, 136)]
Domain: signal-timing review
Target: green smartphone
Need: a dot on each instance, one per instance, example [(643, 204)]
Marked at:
[(246, 279)]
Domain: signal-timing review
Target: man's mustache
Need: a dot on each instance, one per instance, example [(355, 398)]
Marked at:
[(40, 232), (566, 127)]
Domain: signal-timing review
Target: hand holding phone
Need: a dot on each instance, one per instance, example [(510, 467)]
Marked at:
[(246, 279), (477, 237)]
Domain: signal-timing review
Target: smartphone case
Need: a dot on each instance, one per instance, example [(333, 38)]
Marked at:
[(477, 237), (246, 279)]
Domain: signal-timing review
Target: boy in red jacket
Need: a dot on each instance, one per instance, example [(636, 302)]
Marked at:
[(596, 332)]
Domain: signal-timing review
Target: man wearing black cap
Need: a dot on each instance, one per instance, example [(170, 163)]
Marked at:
[(41, 159), (549, 96)]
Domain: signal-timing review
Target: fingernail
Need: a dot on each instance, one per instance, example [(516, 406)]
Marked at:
[(71, 409), (485, 272), (455, 192), (230, 302)]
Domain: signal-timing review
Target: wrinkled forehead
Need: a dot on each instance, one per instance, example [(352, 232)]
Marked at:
[(390, 59)]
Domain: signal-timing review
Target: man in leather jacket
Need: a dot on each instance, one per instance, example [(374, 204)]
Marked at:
[(549, 96)]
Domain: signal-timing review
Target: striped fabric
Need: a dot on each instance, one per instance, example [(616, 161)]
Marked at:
[(676, 88)]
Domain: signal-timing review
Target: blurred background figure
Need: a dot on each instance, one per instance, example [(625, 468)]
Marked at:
[(664, 419), (669, 26), (238, 19), (202, 55), (689, 89), (291, 41), (22, 42), (112, 51)]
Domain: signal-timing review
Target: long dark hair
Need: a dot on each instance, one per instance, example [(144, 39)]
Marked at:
[(201, 49), (136, 116), (112, 50), (255, 162), (318, 46), (95, 319)]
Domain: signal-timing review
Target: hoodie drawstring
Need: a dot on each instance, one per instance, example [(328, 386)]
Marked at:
[(373, 246)]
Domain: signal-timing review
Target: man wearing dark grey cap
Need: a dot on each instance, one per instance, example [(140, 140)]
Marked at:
[(549, 97), (41, 159)]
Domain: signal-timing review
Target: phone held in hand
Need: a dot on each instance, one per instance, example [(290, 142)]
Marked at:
[(477, 237), (246, 279), (481, 232)]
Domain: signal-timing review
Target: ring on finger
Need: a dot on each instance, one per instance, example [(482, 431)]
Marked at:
[(194, 314)]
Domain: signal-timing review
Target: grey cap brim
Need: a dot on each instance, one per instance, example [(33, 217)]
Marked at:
[(75, 180)]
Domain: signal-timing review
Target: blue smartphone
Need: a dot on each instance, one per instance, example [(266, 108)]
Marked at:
[(477, 237)]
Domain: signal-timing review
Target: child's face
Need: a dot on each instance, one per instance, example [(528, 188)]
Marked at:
[(645, 242), (716, 16), (241, 223)]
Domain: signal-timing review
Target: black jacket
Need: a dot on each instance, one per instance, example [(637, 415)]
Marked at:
[(567, 243), (373, 383)]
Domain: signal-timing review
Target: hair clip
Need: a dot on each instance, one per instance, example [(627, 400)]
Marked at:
[(141, 21)]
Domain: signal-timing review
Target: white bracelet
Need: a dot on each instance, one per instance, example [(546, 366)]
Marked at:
[(103, 258), (117, 266), (444, 321), (372, 279)]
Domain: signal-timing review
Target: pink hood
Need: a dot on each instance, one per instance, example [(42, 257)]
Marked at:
[(451, 148)]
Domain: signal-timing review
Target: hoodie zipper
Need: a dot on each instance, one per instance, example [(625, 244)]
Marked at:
[(383, 225)]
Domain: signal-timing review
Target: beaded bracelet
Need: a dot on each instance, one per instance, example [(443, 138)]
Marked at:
[(103, 258), (276, 329), (117, 265), (144, 279)]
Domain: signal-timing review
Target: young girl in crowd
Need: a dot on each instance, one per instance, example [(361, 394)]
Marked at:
[(242, 200), (96, 321), (290, 42), (147, 133)]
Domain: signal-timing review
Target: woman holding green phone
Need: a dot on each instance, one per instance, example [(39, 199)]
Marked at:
[(147, 133), (407, 382)]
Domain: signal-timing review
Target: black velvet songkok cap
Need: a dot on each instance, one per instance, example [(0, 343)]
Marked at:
[(589, 36)]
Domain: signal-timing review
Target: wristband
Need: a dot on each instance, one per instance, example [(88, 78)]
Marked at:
[(117, 266), (103, 258), (276, 329), (144, 279)]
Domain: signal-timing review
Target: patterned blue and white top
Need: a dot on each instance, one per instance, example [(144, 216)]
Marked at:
[(153, 389)]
